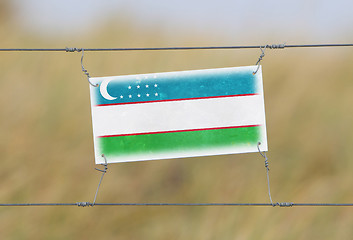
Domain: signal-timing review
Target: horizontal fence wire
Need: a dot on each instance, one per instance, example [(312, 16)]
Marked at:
[(88, 204), (272, 46)]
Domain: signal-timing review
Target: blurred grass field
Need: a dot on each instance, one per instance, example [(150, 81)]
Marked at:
[(47, 146)]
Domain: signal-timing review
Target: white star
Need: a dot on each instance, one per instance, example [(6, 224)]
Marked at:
[(147, 95), (138, 86), (156, 85), (121, 96), (138, 95), (130, 96), (156, 94), (147, 86), (129, 87)]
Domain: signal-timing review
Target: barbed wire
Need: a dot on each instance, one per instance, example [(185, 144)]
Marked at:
[(271, 46)]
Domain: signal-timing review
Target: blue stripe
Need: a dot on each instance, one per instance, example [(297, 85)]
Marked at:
[(179, 85)]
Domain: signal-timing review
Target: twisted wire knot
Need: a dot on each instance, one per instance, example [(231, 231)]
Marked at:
[(283, 204), (276, 46), (67, 49), (273, 46), (84, 204), (85, 72), (267, 164)]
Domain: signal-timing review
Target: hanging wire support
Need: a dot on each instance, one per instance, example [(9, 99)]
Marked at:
[(273, 46), (260, 59), (82, 67), (103, 172), (263, 154)]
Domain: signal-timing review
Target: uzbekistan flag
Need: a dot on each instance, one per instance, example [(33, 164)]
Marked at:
[(178, 114)]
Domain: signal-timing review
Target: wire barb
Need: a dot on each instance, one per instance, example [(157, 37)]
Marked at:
[(263, 154), (103, 172)]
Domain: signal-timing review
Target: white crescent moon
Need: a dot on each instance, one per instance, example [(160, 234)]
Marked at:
[(103, 90)]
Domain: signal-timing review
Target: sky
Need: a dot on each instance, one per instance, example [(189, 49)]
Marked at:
[(316, 21)]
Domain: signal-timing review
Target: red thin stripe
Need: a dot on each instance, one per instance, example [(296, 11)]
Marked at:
[(175, 131), (181, 99)]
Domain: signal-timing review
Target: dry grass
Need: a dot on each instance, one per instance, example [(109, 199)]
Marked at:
[(47, 149)]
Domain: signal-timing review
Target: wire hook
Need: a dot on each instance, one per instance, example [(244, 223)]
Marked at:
[(263, 154), (85, 71), (260, 59), (105, 164)]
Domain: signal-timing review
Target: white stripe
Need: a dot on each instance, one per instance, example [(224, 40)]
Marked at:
[(178, 115)]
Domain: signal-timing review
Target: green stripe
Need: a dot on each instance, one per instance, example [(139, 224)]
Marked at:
[(176, 141)]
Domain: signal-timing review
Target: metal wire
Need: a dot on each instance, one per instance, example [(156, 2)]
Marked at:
[(272, 46), (35, 204), (82, 67), (263, 154), (258, 65), (88, 204), (103, 172)]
